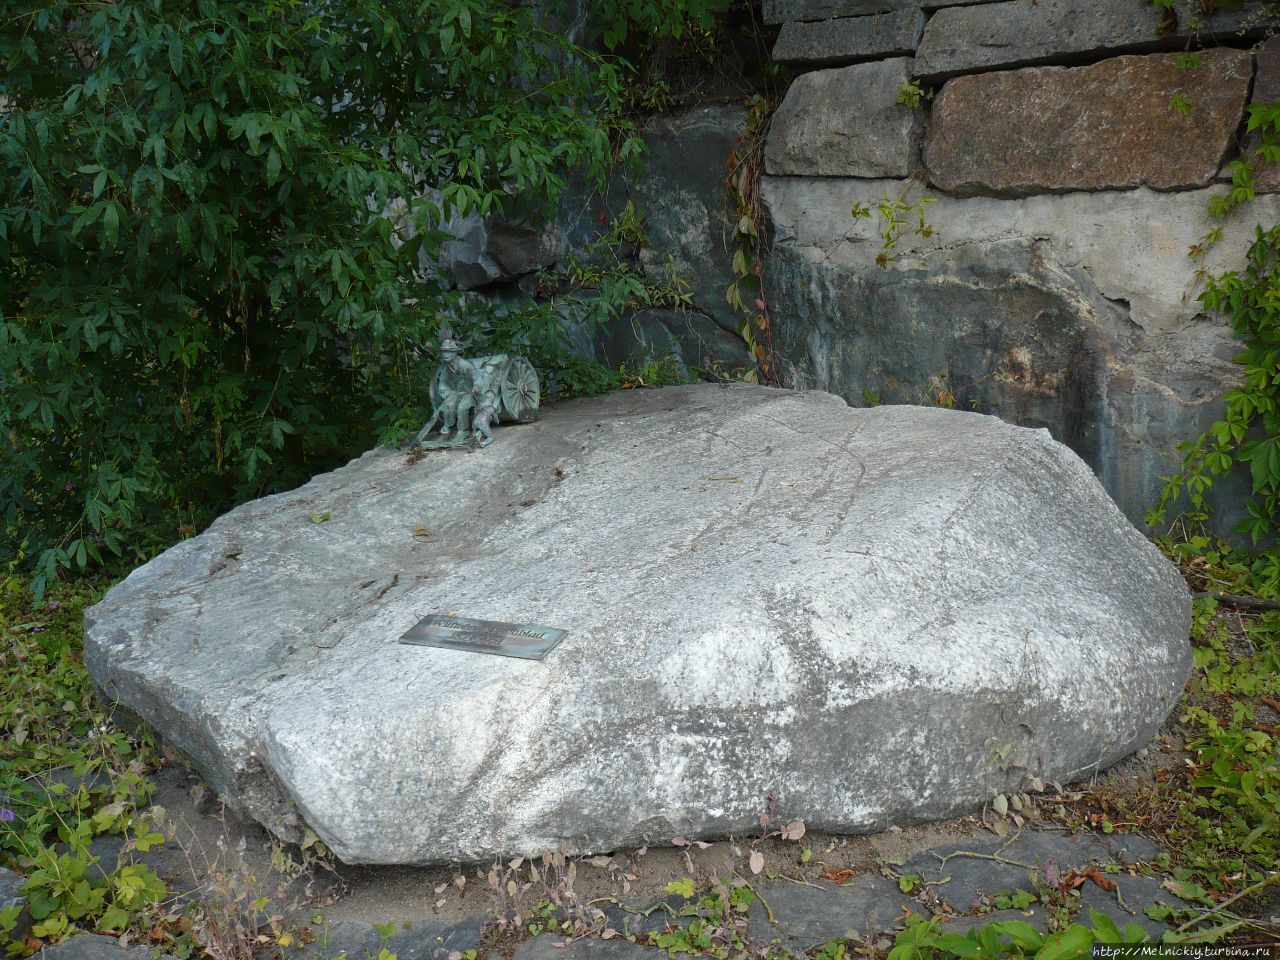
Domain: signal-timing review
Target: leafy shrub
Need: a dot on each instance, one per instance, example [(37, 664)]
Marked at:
[(211, 221), (644, 21)]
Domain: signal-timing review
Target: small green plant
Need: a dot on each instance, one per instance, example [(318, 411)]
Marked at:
[(604, 282), (1014, 899), (897, 215), (912, 95), (719, 921), (647, 21), (925, 940)]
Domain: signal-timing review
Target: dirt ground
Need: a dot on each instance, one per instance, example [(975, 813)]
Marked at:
[(210, 846)]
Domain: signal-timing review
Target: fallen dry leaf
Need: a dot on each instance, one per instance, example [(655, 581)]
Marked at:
[(838, 875)]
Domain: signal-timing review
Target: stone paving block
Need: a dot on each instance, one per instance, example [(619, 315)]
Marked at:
[(97, 947), (808, 915), (421, 941), (654, 917), (550, 947), (1135, 895), (962, 874), (962, 880)]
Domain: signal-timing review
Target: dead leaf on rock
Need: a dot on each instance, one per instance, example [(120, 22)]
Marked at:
[(838, 875)]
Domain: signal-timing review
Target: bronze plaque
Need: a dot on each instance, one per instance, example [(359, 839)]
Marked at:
[(521, 640)]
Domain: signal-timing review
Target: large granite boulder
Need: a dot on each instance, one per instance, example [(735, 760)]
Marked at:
[(876, 615)]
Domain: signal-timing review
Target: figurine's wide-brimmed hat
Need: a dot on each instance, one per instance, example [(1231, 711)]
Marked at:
[(447, 343)]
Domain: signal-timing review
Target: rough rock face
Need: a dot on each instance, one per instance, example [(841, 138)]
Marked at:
[(1133, 244), (687, 212), (1076, 313), (689, 339), (881, 615), (489, 249), (689, 226), (1018, 33), (1266, 90), (846, 123), (11, 894), (1046, 136), (850, 39)]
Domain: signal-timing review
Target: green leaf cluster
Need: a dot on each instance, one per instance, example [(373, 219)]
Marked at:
[(924, 940), (1249, 430), (647, 21), (214, 218)]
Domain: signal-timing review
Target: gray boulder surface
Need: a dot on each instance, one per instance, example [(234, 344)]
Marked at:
[(877, 615)]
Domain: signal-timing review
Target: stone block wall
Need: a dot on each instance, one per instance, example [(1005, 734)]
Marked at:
[(1070, 149)]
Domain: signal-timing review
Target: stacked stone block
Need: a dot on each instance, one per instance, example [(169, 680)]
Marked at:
[(1069, 151)]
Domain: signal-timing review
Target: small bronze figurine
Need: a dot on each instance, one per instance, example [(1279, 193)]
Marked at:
[(469, 396)]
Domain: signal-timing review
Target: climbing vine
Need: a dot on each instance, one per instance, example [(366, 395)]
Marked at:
[(746, 293), (1249, 430)]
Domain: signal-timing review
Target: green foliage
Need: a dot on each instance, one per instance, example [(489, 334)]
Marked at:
[(1230, 825), (897, 215), (605, 282), (646, 21), (1220, 808), (211, 219), (1249, 431), (924, 940), (912, 95), (718, 924), (746, 293), (67, 778)]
